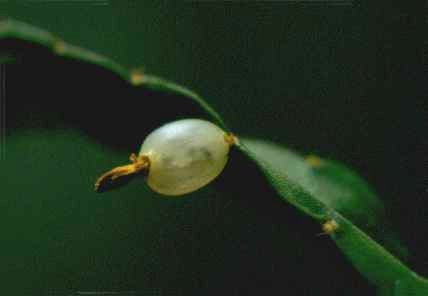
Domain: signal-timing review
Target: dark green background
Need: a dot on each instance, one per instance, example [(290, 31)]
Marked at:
[(343, 80)]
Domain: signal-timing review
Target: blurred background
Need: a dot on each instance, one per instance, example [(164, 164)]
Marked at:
[(339, 79)]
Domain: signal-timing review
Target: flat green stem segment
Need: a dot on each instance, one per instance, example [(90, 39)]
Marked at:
[(332, 185), (371, 257), (321, 189), (14, 29), (327, 191)]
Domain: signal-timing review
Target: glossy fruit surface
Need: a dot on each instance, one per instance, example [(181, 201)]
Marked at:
[(184, 155)]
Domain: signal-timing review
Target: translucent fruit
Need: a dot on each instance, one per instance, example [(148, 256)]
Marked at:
[(184, 155)]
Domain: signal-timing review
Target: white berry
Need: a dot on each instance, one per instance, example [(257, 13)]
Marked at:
[(184, 155)]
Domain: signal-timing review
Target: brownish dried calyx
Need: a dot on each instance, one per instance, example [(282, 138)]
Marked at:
[(122, 174)]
